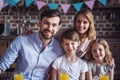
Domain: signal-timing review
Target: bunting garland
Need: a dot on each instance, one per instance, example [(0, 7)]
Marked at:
[(52, 5), (28, 2), (119, 1), (40, 4), (90, 4), (78, 6), (104, 2), (1, 4), (65, 7), (12, 2)]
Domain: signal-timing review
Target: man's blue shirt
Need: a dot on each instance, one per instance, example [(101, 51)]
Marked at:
[(31, 60)]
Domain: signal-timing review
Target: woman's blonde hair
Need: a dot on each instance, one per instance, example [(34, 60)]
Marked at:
[(108, 54), (91, 33)]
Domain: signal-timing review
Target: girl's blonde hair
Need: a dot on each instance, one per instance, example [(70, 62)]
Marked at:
[(108, 54), (91, 33)]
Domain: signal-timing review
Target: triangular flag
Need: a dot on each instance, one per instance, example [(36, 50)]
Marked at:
[(52, 5), (119, 1), (90, 4), (104, 2), (12, 2), (28, 2), (65, 7), (1, 4), (40, 4), (77, 6), (5, 4)]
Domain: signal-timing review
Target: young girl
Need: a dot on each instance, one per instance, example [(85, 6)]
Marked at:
[(101, 57), (69, 62)]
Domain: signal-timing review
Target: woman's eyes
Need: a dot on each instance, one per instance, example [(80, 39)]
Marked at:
[(84, 22)]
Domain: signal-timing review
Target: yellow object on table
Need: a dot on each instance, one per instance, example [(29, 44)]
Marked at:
[(64, 76), (104, 77), (18, 76)]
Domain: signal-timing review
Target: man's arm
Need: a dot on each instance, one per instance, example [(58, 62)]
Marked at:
[(0, 71), (54, 74)]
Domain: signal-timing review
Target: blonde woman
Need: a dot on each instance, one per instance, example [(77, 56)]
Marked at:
[(84, 24)]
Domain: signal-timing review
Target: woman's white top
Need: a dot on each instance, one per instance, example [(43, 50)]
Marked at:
[(83, 48)]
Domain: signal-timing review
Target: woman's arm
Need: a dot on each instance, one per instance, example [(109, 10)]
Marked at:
[(54, 74), (112, 74)]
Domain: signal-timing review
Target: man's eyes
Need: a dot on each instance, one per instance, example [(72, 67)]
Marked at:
[(47, 23)]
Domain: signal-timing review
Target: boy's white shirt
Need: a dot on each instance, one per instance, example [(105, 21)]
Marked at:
[(73, 69)]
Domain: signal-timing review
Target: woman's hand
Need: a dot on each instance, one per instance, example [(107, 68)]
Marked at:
[(112, 63)]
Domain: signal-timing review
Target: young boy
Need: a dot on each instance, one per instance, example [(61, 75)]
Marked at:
[(69, 63)]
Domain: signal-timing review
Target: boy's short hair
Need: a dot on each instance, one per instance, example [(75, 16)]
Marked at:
[(70, 34)]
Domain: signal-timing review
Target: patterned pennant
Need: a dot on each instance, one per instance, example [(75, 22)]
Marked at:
[(90, 4), (52, 5), (40, 4), (104, 2), (12, 2), (77, 6), (1, 4), (28, 2), (65, 7), (119, 1)]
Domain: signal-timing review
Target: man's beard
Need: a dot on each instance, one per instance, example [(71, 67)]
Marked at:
[(44, 36)]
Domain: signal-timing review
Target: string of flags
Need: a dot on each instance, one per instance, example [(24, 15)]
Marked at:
[(40, 4)]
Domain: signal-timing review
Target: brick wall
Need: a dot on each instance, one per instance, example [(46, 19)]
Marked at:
[(107, 23)]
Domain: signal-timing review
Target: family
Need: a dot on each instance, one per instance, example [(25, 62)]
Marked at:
[(78, 52)]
